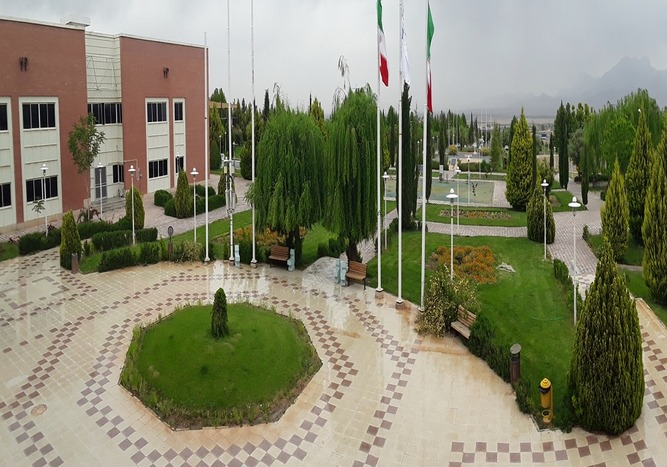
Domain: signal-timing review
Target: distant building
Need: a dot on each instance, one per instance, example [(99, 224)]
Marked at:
[(147, 96)]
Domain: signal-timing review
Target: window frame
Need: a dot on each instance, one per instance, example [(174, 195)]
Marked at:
[(5, 192), (39, 115)]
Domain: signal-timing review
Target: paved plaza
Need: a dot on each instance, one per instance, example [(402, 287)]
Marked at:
[(384, 395)]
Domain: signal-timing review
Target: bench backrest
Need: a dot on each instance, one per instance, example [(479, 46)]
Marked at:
[(357, 267), (279, 250), (465, 317)]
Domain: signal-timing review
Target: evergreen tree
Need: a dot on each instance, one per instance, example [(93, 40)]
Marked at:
[(535, 217), (183, 197), (139, 213), (219, 320), (654, 264), (409, 184), (70, 241), (519, 177), (392, 128), (351, 170), (442, 141), (561, 133), (615, 214), (534, 156), (267, 106), (513, 124), (638, 178), (551, 151), (428, 173), (606, 378), (496, 149)]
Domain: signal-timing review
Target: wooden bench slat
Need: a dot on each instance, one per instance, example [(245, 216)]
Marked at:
[(464, 322), (357, 271), (279, 253)]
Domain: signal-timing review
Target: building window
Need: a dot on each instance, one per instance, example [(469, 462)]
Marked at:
[(33, 188), (180, 164), (5, 195), (118, 173), (156, 112), (157, 168), (178, 111), (106, 113), (3, 117), (39, 116)]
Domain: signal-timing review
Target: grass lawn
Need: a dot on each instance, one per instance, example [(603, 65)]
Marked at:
[(264, 356), (637, 286), (316, 235), (634, 254), (475, 216), (8, 251), (527, 307), (564, 198)]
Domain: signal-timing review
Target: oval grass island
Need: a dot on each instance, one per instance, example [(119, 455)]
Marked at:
[(191, 380)]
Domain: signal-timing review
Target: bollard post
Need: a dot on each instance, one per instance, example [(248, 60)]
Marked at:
[(515, 363)]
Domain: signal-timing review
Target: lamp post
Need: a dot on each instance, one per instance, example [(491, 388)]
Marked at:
[(544, 187), (132, 170), (458, 200), (230, 202), (574, 205), (46, 216), (451, 197), (100, 166), (468, 180), (194, 174), (385, 177)]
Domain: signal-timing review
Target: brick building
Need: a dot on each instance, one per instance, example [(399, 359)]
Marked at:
[(147, 96)]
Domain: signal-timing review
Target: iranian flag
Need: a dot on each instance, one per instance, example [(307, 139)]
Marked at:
[(382, 48), (430, 29)]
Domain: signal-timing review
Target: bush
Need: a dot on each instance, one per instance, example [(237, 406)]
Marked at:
[(535, 218), (523, 390), (586, 233), (37, 241), (117, 259), (88, 229), (214, 202), (149, 253), (161, 197), (484, 344), (70, 242), (219, 322), (561, 273), (201, 191), (124, 223), (334, 247), (139, 213), (170, 208), (187, 251), (146, 235), (105, 241), (183, 198), (603, 195)]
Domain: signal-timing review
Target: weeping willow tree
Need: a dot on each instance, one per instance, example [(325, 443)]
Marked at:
[(351, 170), (288, 189)]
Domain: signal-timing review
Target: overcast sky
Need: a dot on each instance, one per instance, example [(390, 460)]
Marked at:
[(481, 48)]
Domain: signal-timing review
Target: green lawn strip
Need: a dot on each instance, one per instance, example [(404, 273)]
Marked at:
[(474, 175), (527, 307), (316, 235), (8, 251), (499, 217), (564, 199), (636, 284), (634, 254), (262, 357)]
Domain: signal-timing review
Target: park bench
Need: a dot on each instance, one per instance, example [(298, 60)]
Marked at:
[(356, 272), (464, 322), (279, 253)]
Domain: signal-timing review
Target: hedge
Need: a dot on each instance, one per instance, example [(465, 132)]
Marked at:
[(105, 241), (117, 259), (161, 197), (37, 241)]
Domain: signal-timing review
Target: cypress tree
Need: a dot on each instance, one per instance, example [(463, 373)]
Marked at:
[(654, 264), (534, 158), (606, 378), (496, 149), (409, 182), (219, 321), (519, 176), (70, 241), (638, 177), (139, 213), (535, 217), (183, 197), (615, 214)]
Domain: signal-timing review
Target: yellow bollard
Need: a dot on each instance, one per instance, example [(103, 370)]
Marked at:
[(547, 400)]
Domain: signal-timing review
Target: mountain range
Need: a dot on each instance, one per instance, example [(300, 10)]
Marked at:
[(628, 75)]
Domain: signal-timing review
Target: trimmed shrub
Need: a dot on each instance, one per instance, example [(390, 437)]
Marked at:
[(201, 191), (88, 229), (161, 197), (561, 273), (219, 322), (183, 198), (124, 223), (170, 208), (105, 241), (187, 251), (36, 241), (139, 213), (149, 253), (146, 235), (519, 173), (535, 218), (117, 259), (70, 242), (615, 214), (486, 345)]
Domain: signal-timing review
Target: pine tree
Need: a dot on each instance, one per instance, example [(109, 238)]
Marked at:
[(70, 241), (606, 378), (638, 177), (615, 214), (496, 149), (183, 197), (654, 265), (139, 213), (219, 321), (535, 217), (519, 172)]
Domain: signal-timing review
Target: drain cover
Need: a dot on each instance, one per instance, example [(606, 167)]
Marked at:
[(38, 409)]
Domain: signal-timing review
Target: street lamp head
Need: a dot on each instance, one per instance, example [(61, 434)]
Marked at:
[(44, 169), (386, 175), (100, 165), (452, 196), (574, 205), (544, 183), (194, 172), (132, 170)]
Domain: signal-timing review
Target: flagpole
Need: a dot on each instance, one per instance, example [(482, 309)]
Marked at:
[(229, 148), (206, 142), (379, 291), (424, 169), (399, 188), (253, 262)]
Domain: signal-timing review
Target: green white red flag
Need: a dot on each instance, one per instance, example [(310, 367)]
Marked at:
[(382, 48), (430, 29)]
